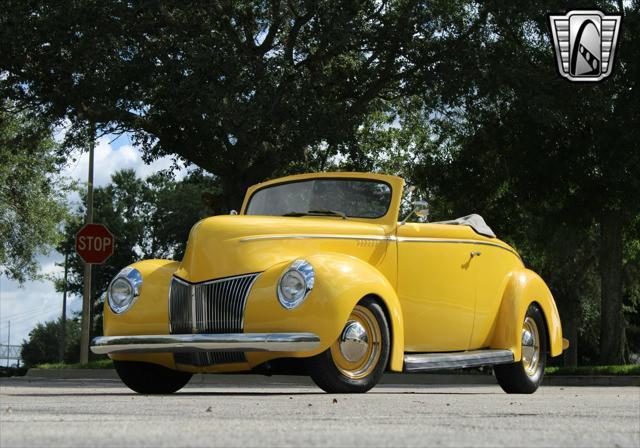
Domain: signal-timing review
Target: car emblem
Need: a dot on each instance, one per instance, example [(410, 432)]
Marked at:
[(585, 44)]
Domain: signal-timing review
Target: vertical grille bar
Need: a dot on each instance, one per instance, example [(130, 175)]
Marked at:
[(210, 307), (180, 307)]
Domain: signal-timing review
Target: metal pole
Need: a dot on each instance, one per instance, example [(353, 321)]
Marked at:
[(8, 343), (63, 323), (86, 299)]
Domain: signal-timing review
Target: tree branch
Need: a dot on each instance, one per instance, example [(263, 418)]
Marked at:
[(267, 43), (298, 23)]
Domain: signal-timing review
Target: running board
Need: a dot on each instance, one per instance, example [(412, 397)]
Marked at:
[(422, 362)]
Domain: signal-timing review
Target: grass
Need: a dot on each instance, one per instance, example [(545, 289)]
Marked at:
[(633, 369), (99, 364)]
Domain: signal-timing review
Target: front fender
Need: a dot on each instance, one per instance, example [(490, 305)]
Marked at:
[(149, 314), (524, 288), (340, 282)]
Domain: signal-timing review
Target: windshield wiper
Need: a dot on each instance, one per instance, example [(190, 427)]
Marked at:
[(317, 213)]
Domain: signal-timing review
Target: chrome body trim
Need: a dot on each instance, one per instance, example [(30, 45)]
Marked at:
[(244, 342), (452, 241), (400, 239), (318, 237), (421, 362)]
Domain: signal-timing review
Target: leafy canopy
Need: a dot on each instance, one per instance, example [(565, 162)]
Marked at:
[(44, 340), (149, 218), (240, 88), (32, 201)]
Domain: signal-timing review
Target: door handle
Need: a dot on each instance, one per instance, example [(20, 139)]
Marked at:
[(475, 253)]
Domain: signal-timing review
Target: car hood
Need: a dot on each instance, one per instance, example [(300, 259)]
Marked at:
[(223, 246)]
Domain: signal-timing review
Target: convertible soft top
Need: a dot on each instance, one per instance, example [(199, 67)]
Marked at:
[(475, 221)]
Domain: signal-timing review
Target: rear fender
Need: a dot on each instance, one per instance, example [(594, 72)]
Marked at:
[(524, 288)]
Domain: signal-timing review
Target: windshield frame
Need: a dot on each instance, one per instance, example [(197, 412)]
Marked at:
[(320, 178)]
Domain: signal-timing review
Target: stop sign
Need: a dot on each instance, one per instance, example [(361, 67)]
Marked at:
[(94, 243)]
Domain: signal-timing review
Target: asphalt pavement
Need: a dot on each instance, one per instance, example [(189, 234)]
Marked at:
[(45, 412)]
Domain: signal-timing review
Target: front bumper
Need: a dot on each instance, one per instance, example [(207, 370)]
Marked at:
[(241, 342)]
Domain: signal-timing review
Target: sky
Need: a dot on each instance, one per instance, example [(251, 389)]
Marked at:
[(38, 301)]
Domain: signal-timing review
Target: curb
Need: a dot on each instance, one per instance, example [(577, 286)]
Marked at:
[(388, 379)]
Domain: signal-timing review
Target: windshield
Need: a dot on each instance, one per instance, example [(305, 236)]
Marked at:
[(356, 198)]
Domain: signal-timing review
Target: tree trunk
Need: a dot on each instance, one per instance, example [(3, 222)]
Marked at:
[(233, 192), (571, 321), (612, 328)]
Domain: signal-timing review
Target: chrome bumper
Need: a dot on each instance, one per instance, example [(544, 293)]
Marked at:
[(241, 342)]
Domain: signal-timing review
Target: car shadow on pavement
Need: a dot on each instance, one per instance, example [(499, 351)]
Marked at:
[(234, 394)]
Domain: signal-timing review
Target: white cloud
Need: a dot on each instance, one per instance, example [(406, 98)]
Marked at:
[(109, 158), (35, 301)]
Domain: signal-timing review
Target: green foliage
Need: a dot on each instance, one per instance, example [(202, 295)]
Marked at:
[(97, 364), (629, 369), (43, 343), (149, 218), (31, 193), (240, 88), (554, 166), (174, 207)]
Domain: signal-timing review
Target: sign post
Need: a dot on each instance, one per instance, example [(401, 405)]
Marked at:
[(94, 244), (86, 296)]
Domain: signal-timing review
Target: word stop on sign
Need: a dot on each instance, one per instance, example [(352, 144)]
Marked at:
[(95, 243)]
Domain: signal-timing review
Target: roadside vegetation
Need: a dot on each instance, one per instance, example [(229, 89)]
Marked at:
[(627, 369), (98, 364)]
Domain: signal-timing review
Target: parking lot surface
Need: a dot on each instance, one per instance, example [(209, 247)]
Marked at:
[(54, 413)]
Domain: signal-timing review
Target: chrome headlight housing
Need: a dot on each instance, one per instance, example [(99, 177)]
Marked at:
[(295, 284), (124, 289)]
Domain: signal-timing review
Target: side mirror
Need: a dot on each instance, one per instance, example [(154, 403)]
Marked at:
[(420, 209)]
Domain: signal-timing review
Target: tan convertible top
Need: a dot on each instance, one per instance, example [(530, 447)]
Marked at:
[(475, 221)]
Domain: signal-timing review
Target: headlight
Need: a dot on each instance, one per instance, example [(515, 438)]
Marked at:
[(295, 284), (124, 289)]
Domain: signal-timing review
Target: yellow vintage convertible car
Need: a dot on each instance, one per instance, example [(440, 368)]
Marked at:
[(317, 274)]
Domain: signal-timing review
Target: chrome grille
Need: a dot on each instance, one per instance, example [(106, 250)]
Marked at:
[(180, 304), (211, 307), (202, 359)]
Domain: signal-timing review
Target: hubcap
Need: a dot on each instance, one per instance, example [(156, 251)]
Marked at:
[(354, 341), (357, 350), (530, 346)]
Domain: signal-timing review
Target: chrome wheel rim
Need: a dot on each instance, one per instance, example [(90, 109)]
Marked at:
[(357, 350), (530, 346), (354, 341)]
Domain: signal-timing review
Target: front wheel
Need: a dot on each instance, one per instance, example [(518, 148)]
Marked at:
[(147, 378), (356, 361), (525, 376)]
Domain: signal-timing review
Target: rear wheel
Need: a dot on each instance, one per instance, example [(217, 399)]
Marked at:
[(147, 378), (357, 359), (525, 376)]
